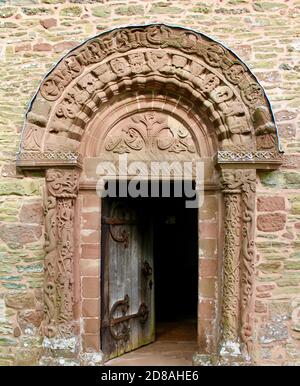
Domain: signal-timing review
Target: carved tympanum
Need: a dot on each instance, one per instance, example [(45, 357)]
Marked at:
[(62, 188), (150, 131)]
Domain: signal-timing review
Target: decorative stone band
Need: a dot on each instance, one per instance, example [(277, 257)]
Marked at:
[(239, 196), (48, 159), (264, 157), (61, 192)]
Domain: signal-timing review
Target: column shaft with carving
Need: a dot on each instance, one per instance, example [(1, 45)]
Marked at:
[(60, 195), (230, 309), (247, 258), (239, 197)]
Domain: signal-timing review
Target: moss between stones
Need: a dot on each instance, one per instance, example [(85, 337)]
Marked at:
[(288, 282), (6, 12), (130, 10), (268, 6), (7, 341), (280, 179), (272, 267), (202, 8), (164, 8), (53, 1), (18, 187), (295, 265), (36, 11), (100, 11), (73, 11), (295, 208)]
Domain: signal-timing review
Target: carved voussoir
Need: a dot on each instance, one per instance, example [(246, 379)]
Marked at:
[(161, 57)]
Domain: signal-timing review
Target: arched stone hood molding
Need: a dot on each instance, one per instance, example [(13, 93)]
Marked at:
[(157, 59)]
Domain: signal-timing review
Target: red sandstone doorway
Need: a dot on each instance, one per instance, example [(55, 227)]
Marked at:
[(150, 250)]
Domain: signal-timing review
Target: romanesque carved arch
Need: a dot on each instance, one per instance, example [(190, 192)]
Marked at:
[(159, 62), (149, 58)]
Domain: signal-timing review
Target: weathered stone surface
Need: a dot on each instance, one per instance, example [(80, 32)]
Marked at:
[(164, 8), (274, 331), (20, 234), (100, 11), (27, 357), (270, 204), (202, 8), (6, 12), (294, 265), (271, 222), (130, 10), (285, 115), (285, 180), (268, 6), (27, 319), (72, 11), (36, 11), (64, 46), (32, 213), (272, 267), (260, 307), (20, 300), (48, 23), (42, 47), (19, 187), (287, 130)]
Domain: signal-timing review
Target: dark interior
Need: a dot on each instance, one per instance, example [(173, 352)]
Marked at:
[(175, 260), (175, 248)]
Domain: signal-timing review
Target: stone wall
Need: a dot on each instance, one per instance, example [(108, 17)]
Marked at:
[(35, 34)]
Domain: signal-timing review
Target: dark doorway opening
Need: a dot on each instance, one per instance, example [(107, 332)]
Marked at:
[(175, 242), (161, 232)]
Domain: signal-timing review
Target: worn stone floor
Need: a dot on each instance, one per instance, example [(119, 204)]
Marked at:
[(175, 345)]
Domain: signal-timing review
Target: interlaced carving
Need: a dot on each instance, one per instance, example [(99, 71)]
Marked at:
[(247, 256), (231, 266), (150, 131), (244, 156), (205, 72), (239, 190), (62, 189)]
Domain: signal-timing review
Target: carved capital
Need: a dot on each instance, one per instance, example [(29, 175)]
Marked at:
[(62, 183)]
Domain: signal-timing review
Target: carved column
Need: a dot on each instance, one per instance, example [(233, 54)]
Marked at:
[(239, 196), (61, 192)]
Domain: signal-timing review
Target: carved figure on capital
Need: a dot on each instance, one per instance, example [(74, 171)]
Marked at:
[(62, 183)]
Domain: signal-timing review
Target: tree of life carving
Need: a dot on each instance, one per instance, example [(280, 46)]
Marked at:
[(150, 131)]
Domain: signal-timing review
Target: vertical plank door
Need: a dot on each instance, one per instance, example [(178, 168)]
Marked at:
[(127, 320)]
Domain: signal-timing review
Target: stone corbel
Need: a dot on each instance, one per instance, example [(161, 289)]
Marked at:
[(61, 192)]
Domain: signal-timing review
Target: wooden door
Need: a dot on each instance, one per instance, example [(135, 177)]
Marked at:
[(127, 277)]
